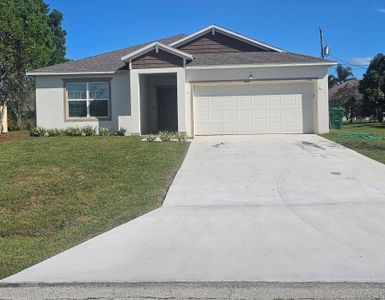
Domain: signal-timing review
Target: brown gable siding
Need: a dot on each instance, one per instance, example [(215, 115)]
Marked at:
[(218, 43), (162, 59)]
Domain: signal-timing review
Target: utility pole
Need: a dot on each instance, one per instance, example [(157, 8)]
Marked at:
[(321, 37)]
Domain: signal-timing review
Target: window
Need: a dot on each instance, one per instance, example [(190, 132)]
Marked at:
[(88, 99)]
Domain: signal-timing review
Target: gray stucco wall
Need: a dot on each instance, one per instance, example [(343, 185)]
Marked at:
[(50, 101)]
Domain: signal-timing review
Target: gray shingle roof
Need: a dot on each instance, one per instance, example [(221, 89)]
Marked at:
[(111, 61), (106, 62), (241, 58)]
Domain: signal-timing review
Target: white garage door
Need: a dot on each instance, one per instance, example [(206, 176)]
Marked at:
[(253, 109)]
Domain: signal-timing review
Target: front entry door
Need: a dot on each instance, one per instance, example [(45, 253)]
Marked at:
[(167, 108)]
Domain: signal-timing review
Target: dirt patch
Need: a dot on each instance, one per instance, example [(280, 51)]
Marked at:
[(14, 135)]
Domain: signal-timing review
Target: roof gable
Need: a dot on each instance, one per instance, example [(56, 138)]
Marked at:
[(160, 59), (218, 43), (156, 46), (214, 29)]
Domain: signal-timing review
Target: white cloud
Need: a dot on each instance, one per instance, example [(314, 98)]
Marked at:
[(382, 10), (364, 61)]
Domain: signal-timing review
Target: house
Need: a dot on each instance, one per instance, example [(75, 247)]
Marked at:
[(213, 81)]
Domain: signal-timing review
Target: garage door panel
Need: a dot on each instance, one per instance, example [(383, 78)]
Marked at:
[(203, 104), (216, 115), (259, 101), (231, 128), (230, 115), (245, 102), (274, 101), (260, 114), (288, 114), (202, 116), (290, 100), (245, 115), (274, 114), (260, 127), (283, 112), (202, 127), (245, 127), (217, 128), (230, 103), (274, 127), (215, 104)]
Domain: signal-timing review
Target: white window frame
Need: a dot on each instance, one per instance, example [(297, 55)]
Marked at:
[(87, 99)]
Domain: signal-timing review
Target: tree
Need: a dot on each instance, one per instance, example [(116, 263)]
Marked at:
[(348, 96), (55, 19), (342, 74), (30, 38), (372, 86)]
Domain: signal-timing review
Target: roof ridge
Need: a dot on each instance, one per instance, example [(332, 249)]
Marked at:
[(134, 46), (80, 60)]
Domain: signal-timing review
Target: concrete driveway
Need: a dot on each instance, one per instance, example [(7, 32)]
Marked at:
[(246, 208)]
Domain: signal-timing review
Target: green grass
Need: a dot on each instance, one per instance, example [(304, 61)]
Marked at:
[(374, 149), (58, 192)]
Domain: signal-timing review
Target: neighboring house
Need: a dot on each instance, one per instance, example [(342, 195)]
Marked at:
[(213, 81)]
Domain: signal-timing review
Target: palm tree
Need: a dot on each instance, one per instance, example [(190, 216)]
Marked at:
[(343, 74)]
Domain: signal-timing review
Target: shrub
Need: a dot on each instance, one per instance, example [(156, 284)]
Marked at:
[(121, 131), (181, 137), (166, 136), (38, 132), (55, 132), (73, 131), (88, 131), (104, 131), (151, 138)]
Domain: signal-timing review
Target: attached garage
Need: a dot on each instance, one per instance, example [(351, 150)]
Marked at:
[(253, 108)]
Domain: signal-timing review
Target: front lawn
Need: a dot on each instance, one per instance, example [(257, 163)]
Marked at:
[(374, 149), (57, 192)]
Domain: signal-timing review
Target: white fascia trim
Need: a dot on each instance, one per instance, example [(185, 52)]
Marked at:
[(226, 32), (261, 66), (153, 46), (67, 73)]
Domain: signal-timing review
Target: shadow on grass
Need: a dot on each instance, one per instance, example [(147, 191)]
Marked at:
[(364, 124), (364, 146)]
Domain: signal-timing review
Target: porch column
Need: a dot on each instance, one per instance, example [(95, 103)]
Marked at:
[(135, 102), (181, 94)]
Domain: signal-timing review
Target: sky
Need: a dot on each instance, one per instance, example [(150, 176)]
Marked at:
[(354, 30)]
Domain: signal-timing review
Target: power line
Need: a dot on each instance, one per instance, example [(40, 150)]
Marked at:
[(325, 52), (348, 63)]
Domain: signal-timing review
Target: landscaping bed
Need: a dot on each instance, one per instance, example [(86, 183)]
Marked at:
[(57, 192)]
